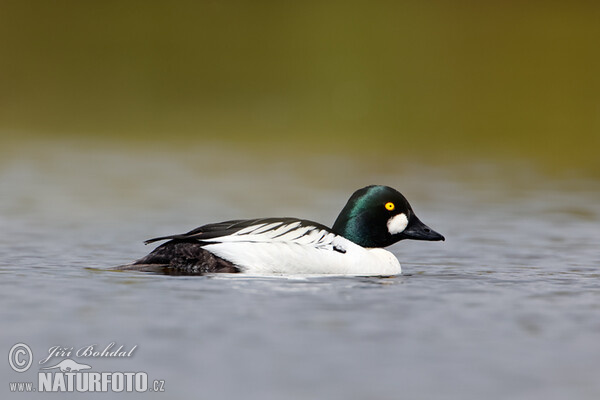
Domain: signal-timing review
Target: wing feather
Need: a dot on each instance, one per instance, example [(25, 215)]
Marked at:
[(257, 230)]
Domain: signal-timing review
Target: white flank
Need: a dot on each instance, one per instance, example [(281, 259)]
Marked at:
[(397, 224), (295, 249)]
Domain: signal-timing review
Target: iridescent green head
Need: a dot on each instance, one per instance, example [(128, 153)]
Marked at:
[(378, 216)]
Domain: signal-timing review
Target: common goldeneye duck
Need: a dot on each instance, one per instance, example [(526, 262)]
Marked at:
[(374, 217)]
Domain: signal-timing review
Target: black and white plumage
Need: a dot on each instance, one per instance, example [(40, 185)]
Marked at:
[(296, 246)]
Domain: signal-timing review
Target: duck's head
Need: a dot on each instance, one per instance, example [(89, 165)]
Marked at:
[(378, 216)]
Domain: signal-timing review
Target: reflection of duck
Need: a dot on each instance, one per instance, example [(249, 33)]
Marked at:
[(374, 217)]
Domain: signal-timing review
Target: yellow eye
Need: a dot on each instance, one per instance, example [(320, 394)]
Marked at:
[(389, 206)]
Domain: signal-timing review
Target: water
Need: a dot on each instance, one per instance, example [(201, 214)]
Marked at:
[(507, 307)]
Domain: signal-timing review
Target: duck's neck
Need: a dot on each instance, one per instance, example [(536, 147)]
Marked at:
[(352, 228)]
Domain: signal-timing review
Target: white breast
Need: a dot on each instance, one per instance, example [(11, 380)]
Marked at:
[(293, 249)]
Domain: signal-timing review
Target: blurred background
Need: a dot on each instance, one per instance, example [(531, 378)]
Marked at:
[(436, 80), (126, 120)]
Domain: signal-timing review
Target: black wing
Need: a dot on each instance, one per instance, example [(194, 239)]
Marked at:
[(184, 254), (227, 228)]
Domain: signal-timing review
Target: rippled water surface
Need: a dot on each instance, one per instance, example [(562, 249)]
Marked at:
[(507, 307)]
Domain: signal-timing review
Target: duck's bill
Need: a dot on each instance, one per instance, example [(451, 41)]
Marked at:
[(417, 230)]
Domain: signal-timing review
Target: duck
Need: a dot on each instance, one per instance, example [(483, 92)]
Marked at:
[(374, 217)]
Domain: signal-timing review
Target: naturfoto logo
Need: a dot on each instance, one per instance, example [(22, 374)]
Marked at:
[(68, 375)]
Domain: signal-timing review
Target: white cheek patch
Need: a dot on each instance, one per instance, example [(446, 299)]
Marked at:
[(397, 224)]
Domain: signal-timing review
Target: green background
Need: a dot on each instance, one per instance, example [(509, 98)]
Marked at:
[(435, 80)]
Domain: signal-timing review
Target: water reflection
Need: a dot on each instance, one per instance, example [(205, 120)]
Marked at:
[(511, 297)]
